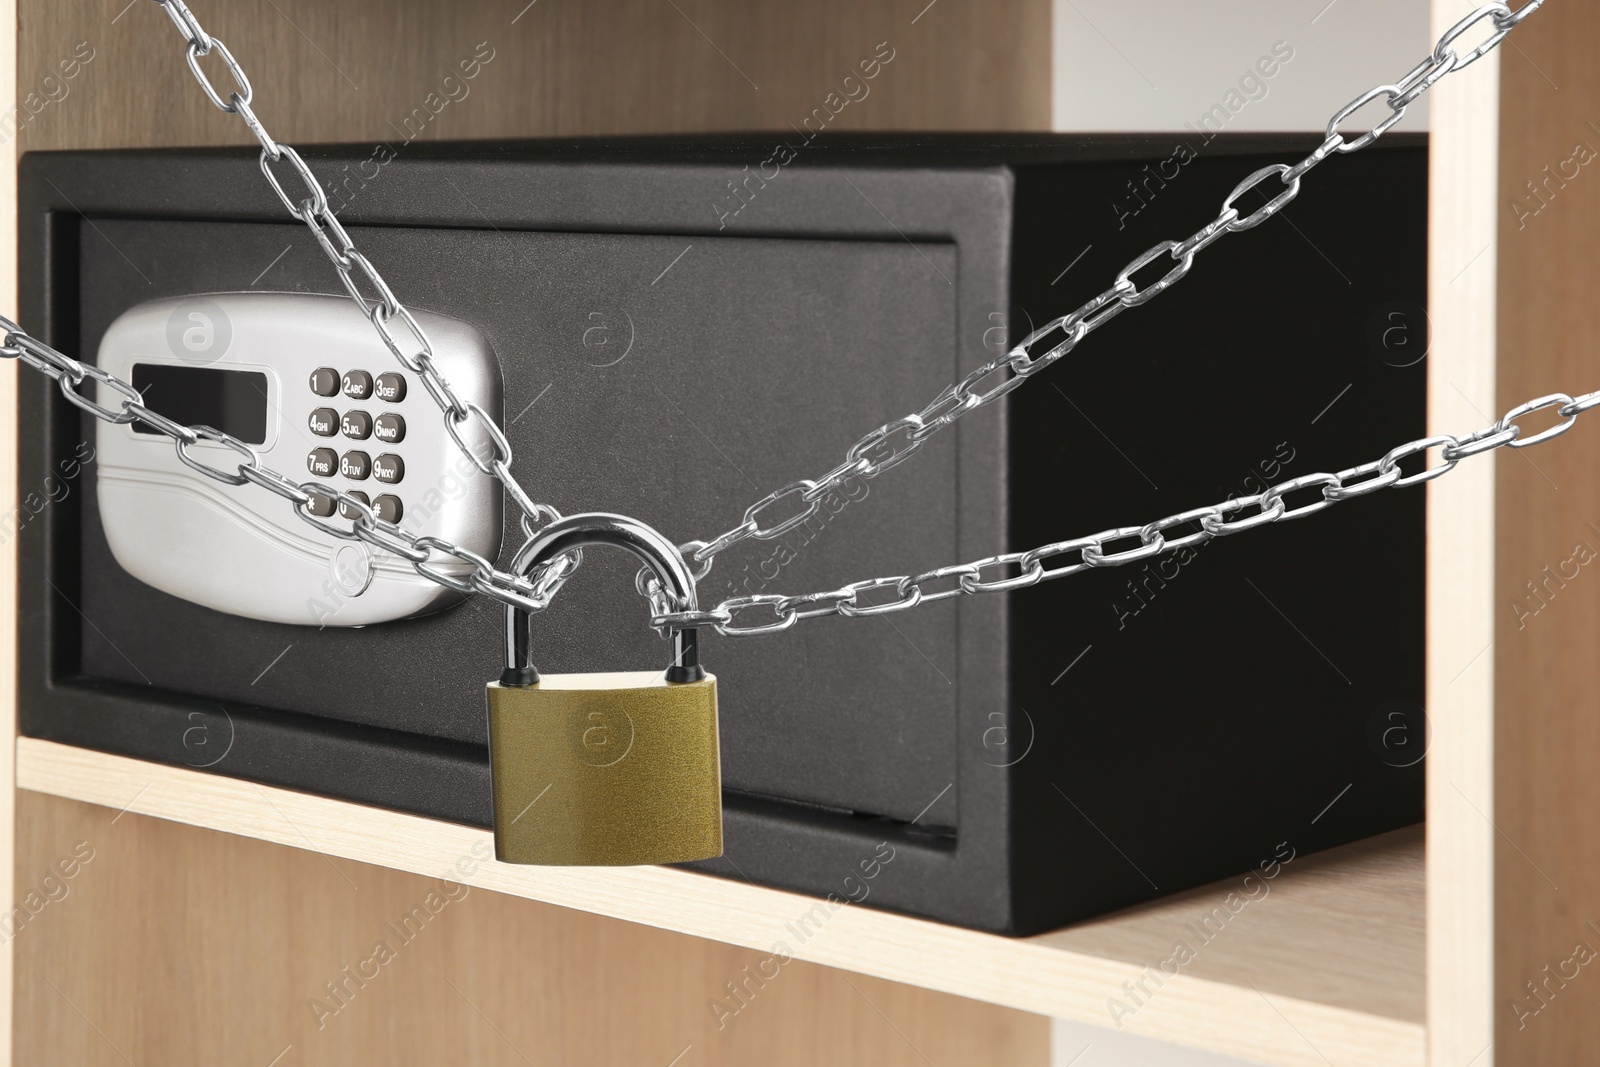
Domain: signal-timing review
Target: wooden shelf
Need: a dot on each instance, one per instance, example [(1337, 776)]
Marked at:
[(1325, 966)]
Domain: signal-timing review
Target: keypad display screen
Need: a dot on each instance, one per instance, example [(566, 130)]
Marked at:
[(233, 401)]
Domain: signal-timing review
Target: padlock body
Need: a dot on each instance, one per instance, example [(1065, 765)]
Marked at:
[(605, 770)]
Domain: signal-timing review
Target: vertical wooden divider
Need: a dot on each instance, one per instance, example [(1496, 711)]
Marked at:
[(1546, 1006), (1460, 578)]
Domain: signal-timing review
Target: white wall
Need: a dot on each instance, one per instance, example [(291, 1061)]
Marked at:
[(1077, 1045), (1143, 65)]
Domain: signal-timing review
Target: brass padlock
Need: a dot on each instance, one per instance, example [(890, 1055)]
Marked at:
[(605, 769)]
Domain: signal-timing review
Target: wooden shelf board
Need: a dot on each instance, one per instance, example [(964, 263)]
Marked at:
[(1325, 966)]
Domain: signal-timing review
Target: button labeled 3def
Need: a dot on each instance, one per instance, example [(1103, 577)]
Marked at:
[(391, 387)]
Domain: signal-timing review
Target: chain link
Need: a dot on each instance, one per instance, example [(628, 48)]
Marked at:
[(893, 443), (1215, 520)]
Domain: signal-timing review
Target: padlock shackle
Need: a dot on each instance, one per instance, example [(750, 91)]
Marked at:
[(601, 528)]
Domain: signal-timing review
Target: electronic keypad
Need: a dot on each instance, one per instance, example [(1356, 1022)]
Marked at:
[(305, 381)]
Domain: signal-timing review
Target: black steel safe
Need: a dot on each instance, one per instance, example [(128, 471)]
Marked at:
[(1034, 757)]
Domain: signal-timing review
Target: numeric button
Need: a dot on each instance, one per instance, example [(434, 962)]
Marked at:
[(391, 387), (355, 465), (391, 429), (389, 468), (357, 384), (324, 422), (319, 505), (322, 463), (348, 512), (388, 508), (325, 381), (357, 424)]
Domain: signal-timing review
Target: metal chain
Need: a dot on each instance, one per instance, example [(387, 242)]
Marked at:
[(895, 442), (875, 453), (400, 331), (528, 594), (1232, 516)]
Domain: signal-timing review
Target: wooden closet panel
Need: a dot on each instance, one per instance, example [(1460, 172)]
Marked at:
[(1547, 692), (354, 70), (8, 495), (173, 945)]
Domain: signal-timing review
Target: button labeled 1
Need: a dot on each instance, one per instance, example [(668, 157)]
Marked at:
[(325, 381)]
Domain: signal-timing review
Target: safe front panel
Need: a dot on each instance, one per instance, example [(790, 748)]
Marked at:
[(674, 389)]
